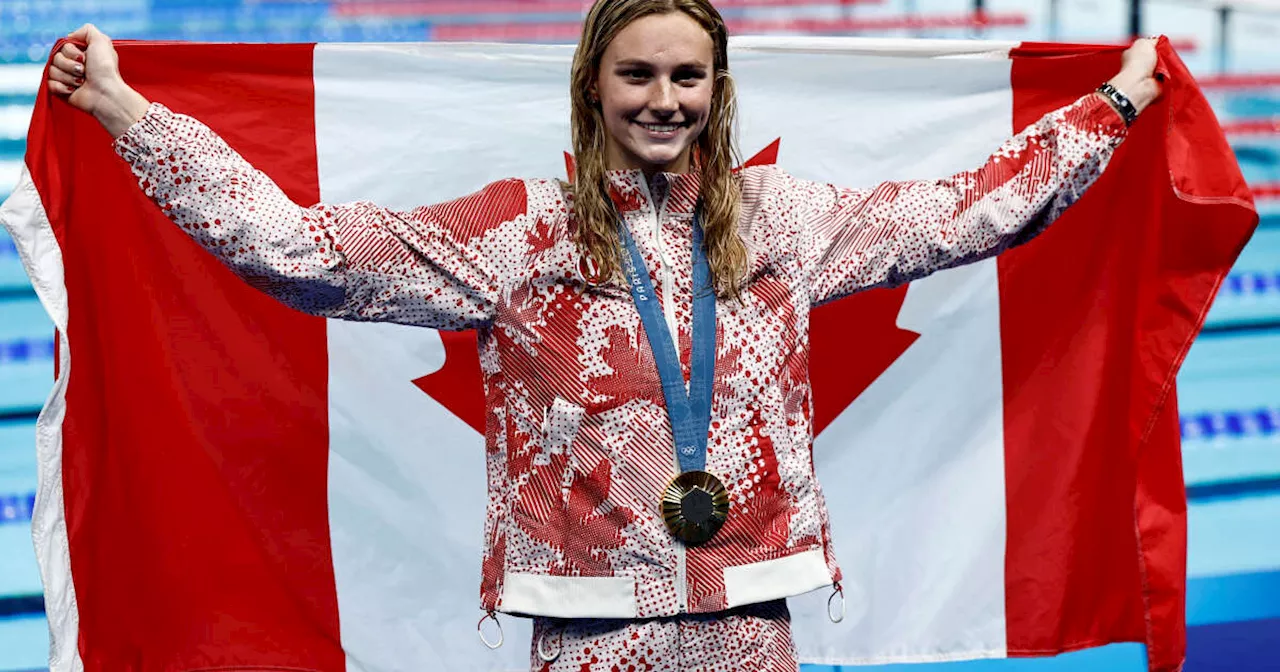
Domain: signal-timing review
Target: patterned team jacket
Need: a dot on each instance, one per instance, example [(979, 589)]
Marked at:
[(578, 441)]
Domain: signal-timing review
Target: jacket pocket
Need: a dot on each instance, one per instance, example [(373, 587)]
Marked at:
[(560, 425)]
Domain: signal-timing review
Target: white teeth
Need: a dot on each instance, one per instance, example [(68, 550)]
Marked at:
[(660, 128)]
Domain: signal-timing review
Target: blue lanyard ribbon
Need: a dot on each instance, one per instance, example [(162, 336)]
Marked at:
[(689, 411)]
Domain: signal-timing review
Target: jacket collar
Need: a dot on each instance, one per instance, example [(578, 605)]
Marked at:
[(631, 192)]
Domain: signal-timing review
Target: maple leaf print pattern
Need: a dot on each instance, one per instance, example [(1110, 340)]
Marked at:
[(578, 442), (578, 528), (751, 639), (627, 361)]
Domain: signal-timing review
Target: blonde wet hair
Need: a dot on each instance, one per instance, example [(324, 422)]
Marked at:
[(714, 152)]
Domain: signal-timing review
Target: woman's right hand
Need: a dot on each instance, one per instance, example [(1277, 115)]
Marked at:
[(89, 78)]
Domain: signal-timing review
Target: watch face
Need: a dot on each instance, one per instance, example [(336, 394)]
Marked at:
[(1119, 102)]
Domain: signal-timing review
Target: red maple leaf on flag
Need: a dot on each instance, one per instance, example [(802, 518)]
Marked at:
[(458, 385), (852, 341)]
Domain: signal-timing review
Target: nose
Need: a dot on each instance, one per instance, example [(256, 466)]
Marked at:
[(664, 100)]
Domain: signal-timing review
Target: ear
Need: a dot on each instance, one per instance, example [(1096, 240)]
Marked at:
[(593, 90)]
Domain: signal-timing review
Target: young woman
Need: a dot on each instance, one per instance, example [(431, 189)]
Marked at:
[(643, 330)]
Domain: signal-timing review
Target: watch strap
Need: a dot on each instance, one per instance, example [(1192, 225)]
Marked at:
[(1121, 102)]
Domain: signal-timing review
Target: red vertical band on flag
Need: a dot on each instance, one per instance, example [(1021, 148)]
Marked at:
[(1096, 316), (185, 554), (1071, 570), (1161, 511)]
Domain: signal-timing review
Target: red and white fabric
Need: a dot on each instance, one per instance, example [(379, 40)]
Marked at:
[(578, 444), (750, 638), (230, 483)]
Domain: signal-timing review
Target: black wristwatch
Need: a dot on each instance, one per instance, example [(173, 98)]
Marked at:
[(1121, 102)]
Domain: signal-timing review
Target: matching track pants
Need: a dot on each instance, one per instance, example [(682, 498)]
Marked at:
[(752, 638)]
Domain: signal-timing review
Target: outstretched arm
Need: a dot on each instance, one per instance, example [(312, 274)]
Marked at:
[(433, 266), (896, 232)]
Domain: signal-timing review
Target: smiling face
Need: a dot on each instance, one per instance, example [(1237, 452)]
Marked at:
[(655, 86)]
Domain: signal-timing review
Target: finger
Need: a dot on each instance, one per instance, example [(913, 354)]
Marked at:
[(67, 65), (64, 77), (83, 33), (72, 52), (60, 88)]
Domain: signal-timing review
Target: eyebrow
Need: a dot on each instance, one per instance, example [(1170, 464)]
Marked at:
[(637, 63)]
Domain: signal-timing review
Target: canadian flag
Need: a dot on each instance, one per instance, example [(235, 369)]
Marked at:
[(226, 483)]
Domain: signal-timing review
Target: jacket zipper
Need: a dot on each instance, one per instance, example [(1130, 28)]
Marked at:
[(682, 597)]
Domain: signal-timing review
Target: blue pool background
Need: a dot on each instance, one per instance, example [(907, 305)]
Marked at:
[(1229, 387)]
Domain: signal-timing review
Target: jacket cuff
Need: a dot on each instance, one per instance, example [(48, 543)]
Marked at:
[(147, 137), (1105, 119)]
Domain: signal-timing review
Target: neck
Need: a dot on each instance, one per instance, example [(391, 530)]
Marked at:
[(618, 160)]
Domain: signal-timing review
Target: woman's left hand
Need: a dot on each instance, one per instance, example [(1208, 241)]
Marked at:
[(1136, 78)]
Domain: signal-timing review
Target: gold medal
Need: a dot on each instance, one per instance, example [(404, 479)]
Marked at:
[(695, 505)]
